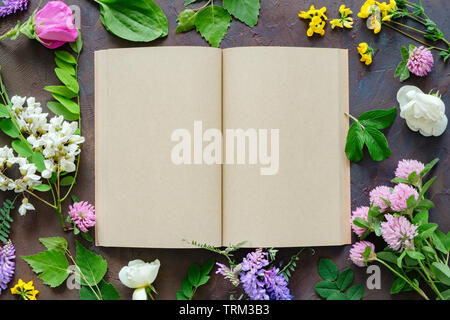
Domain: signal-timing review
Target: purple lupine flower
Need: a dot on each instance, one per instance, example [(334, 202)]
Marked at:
[(12, 6), (7, 264), (276, 285), (253, 275)]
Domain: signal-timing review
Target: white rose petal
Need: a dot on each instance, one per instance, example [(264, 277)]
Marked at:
[(139, 273), (139, 294), (423, 112)]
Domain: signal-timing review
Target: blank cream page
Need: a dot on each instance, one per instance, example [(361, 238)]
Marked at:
[(142, 198), (303, 92)]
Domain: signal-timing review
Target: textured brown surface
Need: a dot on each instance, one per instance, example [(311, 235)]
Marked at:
[(27, 67)]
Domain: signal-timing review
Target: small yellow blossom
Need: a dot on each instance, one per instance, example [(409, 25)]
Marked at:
[(313, 12), (316, 26), (344, 20), (374, 23), (25, 290), (387, 10), (367, 9), (366, 53)]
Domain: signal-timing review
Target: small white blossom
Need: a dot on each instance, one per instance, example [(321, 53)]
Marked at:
[(25, 206)]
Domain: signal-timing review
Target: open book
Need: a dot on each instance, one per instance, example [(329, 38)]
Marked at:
[(145, 199)]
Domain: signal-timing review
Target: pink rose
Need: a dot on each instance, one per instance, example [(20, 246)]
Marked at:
[(54, 24)]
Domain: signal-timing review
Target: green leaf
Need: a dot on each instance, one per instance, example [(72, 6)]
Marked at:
[(425, 204), (62, 91), (22, 148), (428, 167), (405, 53), (400, 68), (411, 202), (52, 266), (327, 269), (400, 259), (66, 66), (71, 106), (400, 180), (194, 274), (445, 55), (207, 267), (426, 186), (55, 243), (4, 112), (246, 11), (9, 128), (203, 280), (86, 236), (387, 256), (415, 255), (355, 143), (446, 294), (75, 199), (134, 20), (398, 285), (107, 292), (213, 23), (60, 110), (185, 20), (442, 272), (77, 46), (42, 188), (405, 74), (38, 159), (420, 218), (377, 227), (66, 181), (91, 265), (68, 79), (356, 292), (427, 230), (325, 288), (186, 288), (345, 279), (180, 295), (337, 296), (65, 56), (378, 119), (360, 222), (377, 144)]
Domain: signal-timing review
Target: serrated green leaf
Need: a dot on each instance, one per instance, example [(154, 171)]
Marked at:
[(356, 292), (185, 20), (345, 279), (107, 292), (327, 269), (71, 106), (325, 288), (134, 20), (65, 56), (8, 127), (60, 110), (62, 91), (379, 119), (194, 274), (377, 144), (51, 265), (91, 265), (22, 148), (246, 11), (213, 23), (55, 243), (355, 143), (68, 79)]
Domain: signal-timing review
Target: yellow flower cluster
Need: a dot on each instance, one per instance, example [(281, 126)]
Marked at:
[(375, 12), (366, 53), (25, 290), (345, 20), (317, 17)]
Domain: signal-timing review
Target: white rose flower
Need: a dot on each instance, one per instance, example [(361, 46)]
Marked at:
[(423, 112), (139, 275)]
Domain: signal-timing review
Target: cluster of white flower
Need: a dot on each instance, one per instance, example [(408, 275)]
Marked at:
[(55, 139)]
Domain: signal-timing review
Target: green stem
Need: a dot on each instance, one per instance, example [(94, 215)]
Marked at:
[(406, 26), (430, 281), (412, 37), (354, 119), (98, 296), (404, 279)]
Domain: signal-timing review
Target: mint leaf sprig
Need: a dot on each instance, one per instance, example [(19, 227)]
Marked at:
[(197, 276), (212, 21), (365, 131), (335, 284)]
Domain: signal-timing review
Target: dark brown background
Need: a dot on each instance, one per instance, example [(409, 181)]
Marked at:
[(27, 67)]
